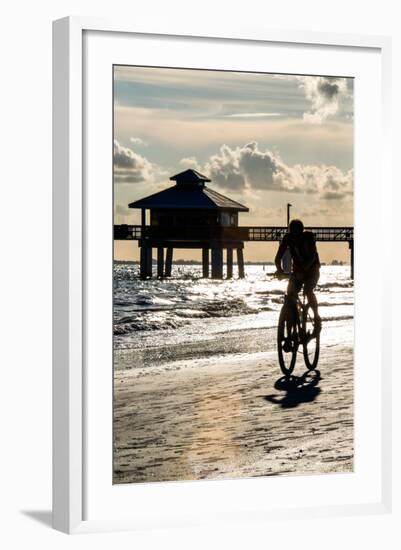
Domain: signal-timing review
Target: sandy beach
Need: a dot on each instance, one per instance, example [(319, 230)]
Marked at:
[(235, 416)]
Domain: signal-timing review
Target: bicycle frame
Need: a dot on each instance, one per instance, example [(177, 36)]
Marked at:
[(299, 306), (293, 322)]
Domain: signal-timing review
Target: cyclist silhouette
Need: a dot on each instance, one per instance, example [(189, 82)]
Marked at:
[(305, 264)]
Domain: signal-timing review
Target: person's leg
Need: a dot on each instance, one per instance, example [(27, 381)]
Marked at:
[(312, 300), (309, 285), (294, 286), (290, 301)]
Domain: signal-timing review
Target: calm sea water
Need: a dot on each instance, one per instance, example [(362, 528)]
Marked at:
[(186, 317)]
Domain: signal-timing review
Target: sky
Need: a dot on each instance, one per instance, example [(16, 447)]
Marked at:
[(264, 140)]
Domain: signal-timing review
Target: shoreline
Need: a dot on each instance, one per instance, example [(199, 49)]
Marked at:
[(234, 342), (231, 417)]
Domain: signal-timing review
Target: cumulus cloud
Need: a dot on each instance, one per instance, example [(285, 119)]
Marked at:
[(329, 181), (324, 94), (190, 162), (129, 167), (249, 167)]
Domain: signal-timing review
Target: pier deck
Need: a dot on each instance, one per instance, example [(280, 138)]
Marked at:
[(215, 239), (242, 233)]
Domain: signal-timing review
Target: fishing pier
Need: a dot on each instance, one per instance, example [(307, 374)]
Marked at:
[(193, 216)]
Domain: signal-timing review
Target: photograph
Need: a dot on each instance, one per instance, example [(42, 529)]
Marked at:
[(233, 274)]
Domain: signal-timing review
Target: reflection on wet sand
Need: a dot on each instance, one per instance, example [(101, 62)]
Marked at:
[(235, 418)]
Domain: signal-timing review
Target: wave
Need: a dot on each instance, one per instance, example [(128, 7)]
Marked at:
[(322, 304), (335, 284), (274, 291), (187, 308), (145, 320), (228, 308), (338, 318), (331, 304), (126, 326)]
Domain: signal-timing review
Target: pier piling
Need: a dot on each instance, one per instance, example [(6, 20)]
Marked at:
[(160, 261), (351, 247), (169, 261), (217, 263), (143, 262), (240, 261), (229, 263), (149, 265), (205, 263)]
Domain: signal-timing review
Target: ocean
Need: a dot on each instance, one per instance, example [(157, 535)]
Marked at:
[(185, 318)]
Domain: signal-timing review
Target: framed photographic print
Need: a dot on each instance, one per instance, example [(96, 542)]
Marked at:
[(214, 291)]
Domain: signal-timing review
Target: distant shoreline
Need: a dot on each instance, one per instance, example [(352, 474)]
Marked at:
[(334, 263)]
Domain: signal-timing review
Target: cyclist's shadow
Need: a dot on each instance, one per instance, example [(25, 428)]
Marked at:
[(298, 389)]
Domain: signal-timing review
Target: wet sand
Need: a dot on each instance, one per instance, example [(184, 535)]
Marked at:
[(234, 417)]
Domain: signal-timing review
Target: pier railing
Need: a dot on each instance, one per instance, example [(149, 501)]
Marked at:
[(242, 233)]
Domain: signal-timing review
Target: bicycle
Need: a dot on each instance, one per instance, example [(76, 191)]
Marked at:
[(297, 327)]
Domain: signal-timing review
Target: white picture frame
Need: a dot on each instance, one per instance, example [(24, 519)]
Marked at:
[(70, 259)]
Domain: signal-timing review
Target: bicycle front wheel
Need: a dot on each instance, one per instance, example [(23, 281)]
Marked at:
[(311, 339), (287, 339)]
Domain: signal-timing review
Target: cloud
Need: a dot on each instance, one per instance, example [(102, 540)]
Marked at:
[(138, 141), (324, 94), (329, 181), (190, 162), (252, 115), (129, 167), (248, 167), (186, 134)]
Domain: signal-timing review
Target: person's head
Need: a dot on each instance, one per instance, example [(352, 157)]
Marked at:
[(296, 227)]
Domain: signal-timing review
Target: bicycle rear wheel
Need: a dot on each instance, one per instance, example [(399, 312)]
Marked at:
[(287, 339), (311, 338)]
